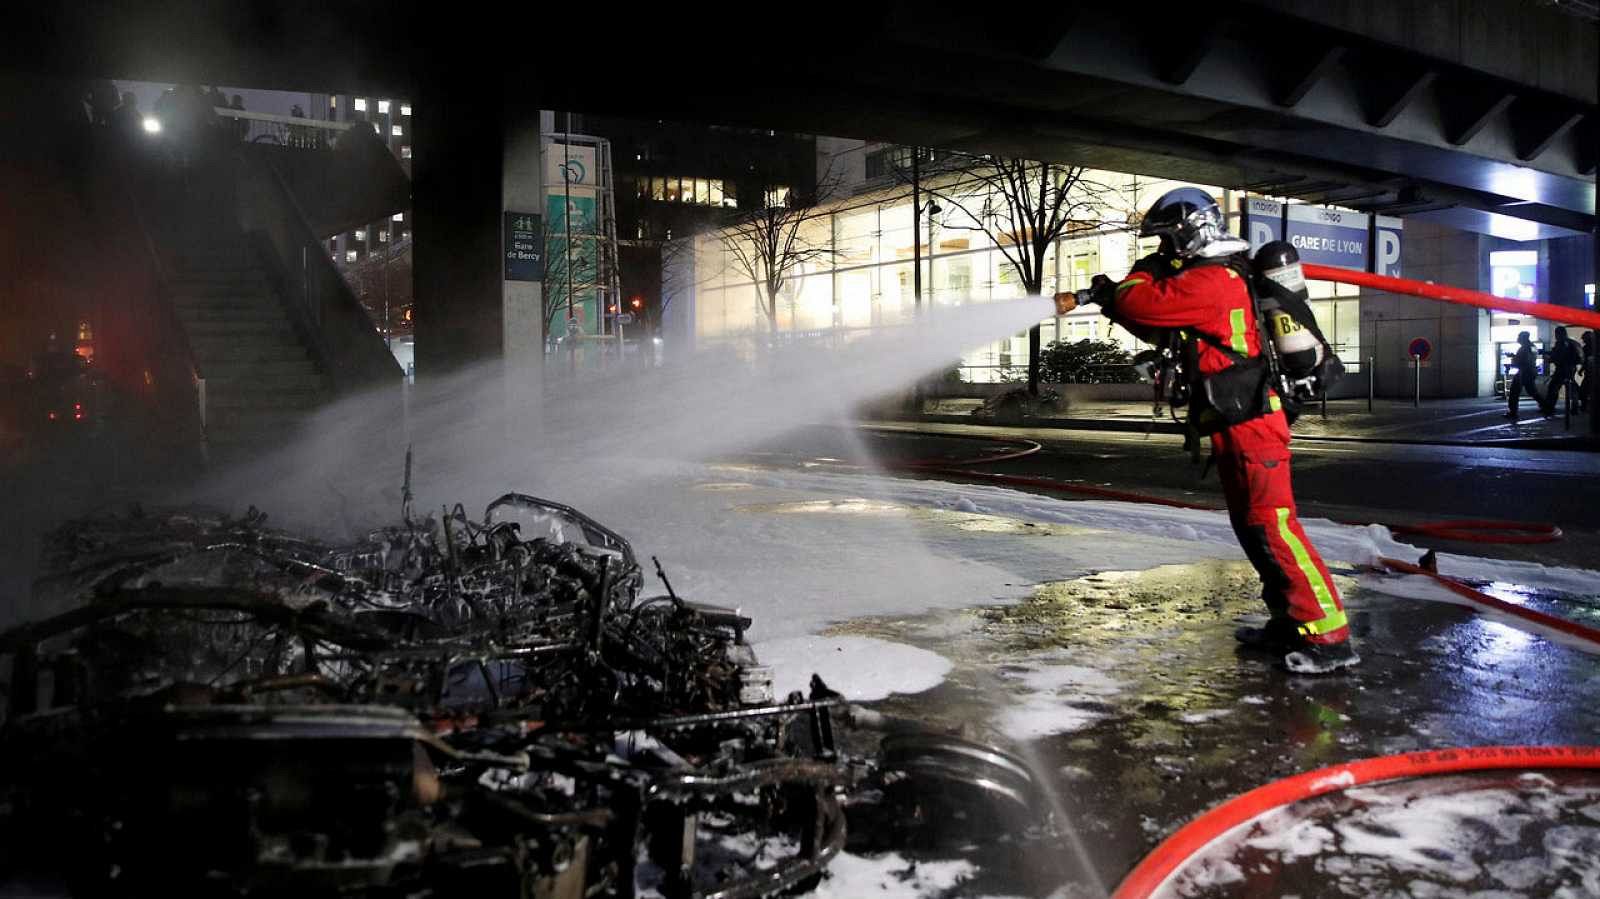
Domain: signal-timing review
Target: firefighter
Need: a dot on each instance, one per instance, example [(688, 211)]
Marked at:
[(1197, 287)]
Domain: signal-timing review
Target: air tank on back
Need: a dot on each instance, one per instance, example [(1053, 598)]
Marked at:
[(1281, 294)]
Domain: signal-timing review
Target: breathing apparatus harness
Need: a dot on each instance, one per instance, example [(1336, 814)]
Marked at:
[(1296, 364)]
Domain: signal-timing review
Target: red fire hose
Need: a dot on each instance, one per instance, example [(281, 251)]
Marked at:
[(1484, 600), (1563, 314), (1157, 868)]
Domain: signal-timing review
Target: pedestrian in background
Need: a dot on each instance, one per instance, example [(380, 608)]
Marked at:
[(1565, 357), (297, 133), (127, 119), (1524, 361), (1586, 369), (241, 127)]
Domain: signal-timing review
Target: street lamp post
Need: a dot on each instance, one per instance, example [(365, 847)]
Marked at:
[(917, 209)]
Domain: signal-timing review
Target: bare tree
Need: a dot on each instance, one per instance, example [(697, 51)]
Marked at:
[(769, 244), (1023, 206)]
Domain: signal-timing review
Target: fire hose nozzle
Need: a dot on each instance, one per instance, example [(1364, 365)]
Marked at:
[(1068, 300)]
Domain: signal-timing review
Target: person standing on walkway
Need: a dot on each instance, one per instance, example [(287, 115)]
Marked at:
[(1586, 368), (1565, 357), (1524, 361), (1197, 285)]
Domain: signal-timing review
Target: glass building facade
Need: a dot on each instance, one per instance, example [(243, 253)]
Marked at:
[(864, 279)]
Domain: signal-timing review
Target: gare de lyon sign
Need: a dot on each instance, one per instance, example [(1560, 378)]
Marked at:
[(1324, 236)]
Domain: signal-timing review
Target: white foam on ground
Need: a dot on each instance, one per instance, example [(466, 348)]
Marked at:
[(1203, 716), (1049, 699), (860, 668), (890, 876)]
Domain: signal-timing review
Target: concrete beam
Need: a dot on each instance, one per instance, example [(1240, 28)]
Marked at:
[(1301, 71), (1467, 107), (1537, 125), (1386, 94)]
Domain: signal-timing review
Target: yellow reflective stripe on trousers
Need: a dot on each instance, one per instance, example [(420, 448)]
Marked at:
[(1333, 617), (1236, 331), (1127, 283)]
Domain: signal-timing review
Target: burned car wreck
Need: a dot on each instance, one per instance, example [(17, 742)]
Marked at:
[(443, 706)]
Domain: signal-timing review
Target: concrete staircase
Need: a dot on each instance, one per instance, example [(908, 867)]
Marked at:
[(260, 377)]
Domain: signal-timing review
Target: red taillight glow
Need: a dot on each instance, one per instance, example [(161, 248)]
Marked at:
[(52, 416)]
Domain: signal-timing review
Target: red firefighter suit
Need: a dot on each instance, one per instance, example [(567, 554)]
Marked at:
[(1252, 458)]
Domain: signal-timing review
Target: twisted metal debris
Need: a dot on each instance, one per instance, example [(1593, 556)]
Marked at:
[(443, 706)]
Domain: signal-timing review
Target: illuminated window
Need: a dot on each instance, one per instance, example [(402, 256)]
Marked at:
[(405, 152), (1588, 295), (376, 130), (361, 104), (405, 235), (658, 188), (361, 235), (397, 131), (84, 331), (777, 196), (398, 216), (673, 194), (383, 107), (383, 237), (715, 197), (702, 191), (405, 108), (333, 102), (730, 195), (350, 256)]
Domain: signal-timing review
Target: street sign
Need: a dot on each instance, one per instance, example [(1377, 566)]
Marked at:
[(1420, 347), (1329, 236), (576, 204), (1386, 249), (524, 247), (1263, 222), (572, 164), (625, 318)]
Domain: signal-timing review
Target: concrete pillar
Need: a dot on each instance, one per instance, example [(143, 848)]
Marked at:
[(522, 302), (456, 184), (475, 156)]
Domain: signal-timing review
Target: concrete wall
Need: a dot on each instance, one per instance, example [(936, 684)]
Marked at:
[(1389, 322)]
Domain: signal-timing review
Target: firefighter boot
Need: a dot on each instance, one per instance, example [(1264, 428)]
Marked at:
[(1321, 658)]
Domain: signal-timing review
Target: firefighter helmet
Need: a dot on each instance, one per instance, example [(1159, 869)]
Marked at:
[(1189, 223)]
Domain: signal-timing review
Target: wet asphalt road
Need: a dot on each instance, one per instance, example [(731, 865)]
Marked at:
[(1368, 482), (1174, 719)]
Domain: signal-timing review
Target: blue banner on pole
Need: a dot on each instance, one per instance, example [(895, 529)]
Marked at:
[(1263, 222), (1329, 236), (1386, 252)]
